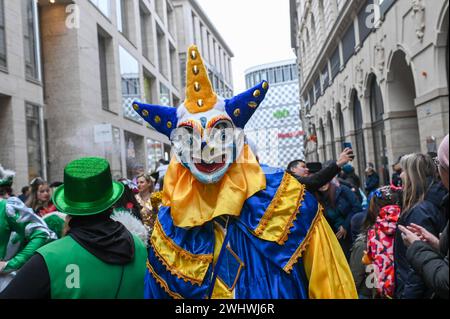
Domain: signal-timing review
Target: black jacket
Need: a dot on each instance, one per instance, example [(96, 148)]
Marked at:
[(319, 179), (432, 265), (428, 214)]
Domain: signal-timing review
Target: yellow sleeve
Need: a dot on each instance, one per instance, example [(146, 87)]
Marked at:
[(325, 264)]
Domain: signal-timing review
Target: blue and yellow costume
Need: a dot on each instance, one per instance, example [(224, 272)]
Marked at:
[(247, 232)]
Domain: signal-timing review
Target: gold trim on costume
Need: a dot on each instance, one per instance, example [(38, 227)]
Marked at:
[(178, 261), (302, 247), (279, 217), (163, 283)]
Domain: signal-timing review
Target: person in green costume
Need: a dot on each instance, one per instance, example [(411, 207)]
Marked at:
[(21, 231), (98, 258)]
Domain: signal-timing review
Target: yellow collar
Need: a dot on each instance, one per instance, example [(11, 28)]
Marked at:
[(193, 203)]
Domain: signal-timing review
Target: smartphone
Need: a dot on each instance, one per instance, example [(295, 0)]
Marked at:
[(349, 145)]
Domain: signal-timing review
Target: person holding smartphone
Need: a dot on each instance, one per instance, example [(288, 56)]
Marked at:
[(319, 176)]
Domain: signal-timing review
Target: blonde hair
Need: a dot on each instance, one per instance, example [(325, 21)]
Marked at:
[(418, 168)]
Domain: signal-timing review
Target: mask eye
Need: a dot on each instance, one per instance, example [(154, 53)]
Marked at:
[(222, 133), (184, 138)]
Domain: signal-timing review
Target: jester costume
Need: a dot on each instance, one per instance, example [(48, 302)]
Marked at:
[(21, 231), (228, 227)]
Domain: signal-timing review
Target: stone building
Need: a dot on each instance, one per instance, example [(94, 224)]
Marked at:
[(22, 146), (275, 127), (373, 73)]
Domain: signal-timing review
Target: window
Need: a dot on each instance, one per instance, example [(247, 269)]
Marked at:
[(103, 43), (162, 53), (103, 5), (34, 140), (154, 154), (159, 6), (173, 65), (164, 95), (129, 73), (113, 152), (317, 88), (379, 138), (171, 19), (364, 21), (278, 75), (124, 18), (194, 30), (325, 77), (271, 76), (2, 36), (182, 64), (348, 43), (358, 124), (146, 33), (149, 88), (312, 97), (135, 158), (287, 73), (335, 63), (31, 39)]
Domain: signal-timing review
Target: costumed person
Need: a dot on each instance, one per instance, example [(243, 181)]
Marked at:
[(21, 231), (148, 199), (228, 227), (98, 257)]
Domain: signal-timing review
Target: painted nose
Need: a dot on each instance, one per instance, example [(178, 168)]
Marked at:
[(203, 145)]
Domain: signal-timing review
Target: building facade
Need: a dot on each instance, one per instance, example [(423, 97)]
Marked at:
[(275, 128), (373, 73), (22, 146), (194, 27), (68, 73)]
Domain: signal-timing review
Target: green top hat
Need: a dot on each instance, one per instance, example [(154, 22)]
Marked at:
[(88, 188)]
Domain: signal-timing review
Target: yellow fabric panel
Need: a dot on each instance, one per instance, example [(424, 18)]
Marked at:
[(221, 291), (281, 213), (326, 266), (179, 262), (193, 203)]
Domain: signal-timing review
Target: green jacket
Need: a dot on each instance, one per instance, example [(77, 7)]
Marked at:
[(21, 233), (77, 274)]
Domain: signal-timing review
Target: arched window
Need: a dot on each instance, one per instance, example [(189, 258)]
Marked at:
[(360, 145), (379, 138), (331, 128), (323, 140), (340, 118)]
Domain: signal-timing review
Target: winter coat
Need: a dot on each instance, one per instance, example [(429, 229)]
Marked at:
[(432, 265), (359, 269), (346, 206), (428, 214), (372, 182), (380, 249)]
